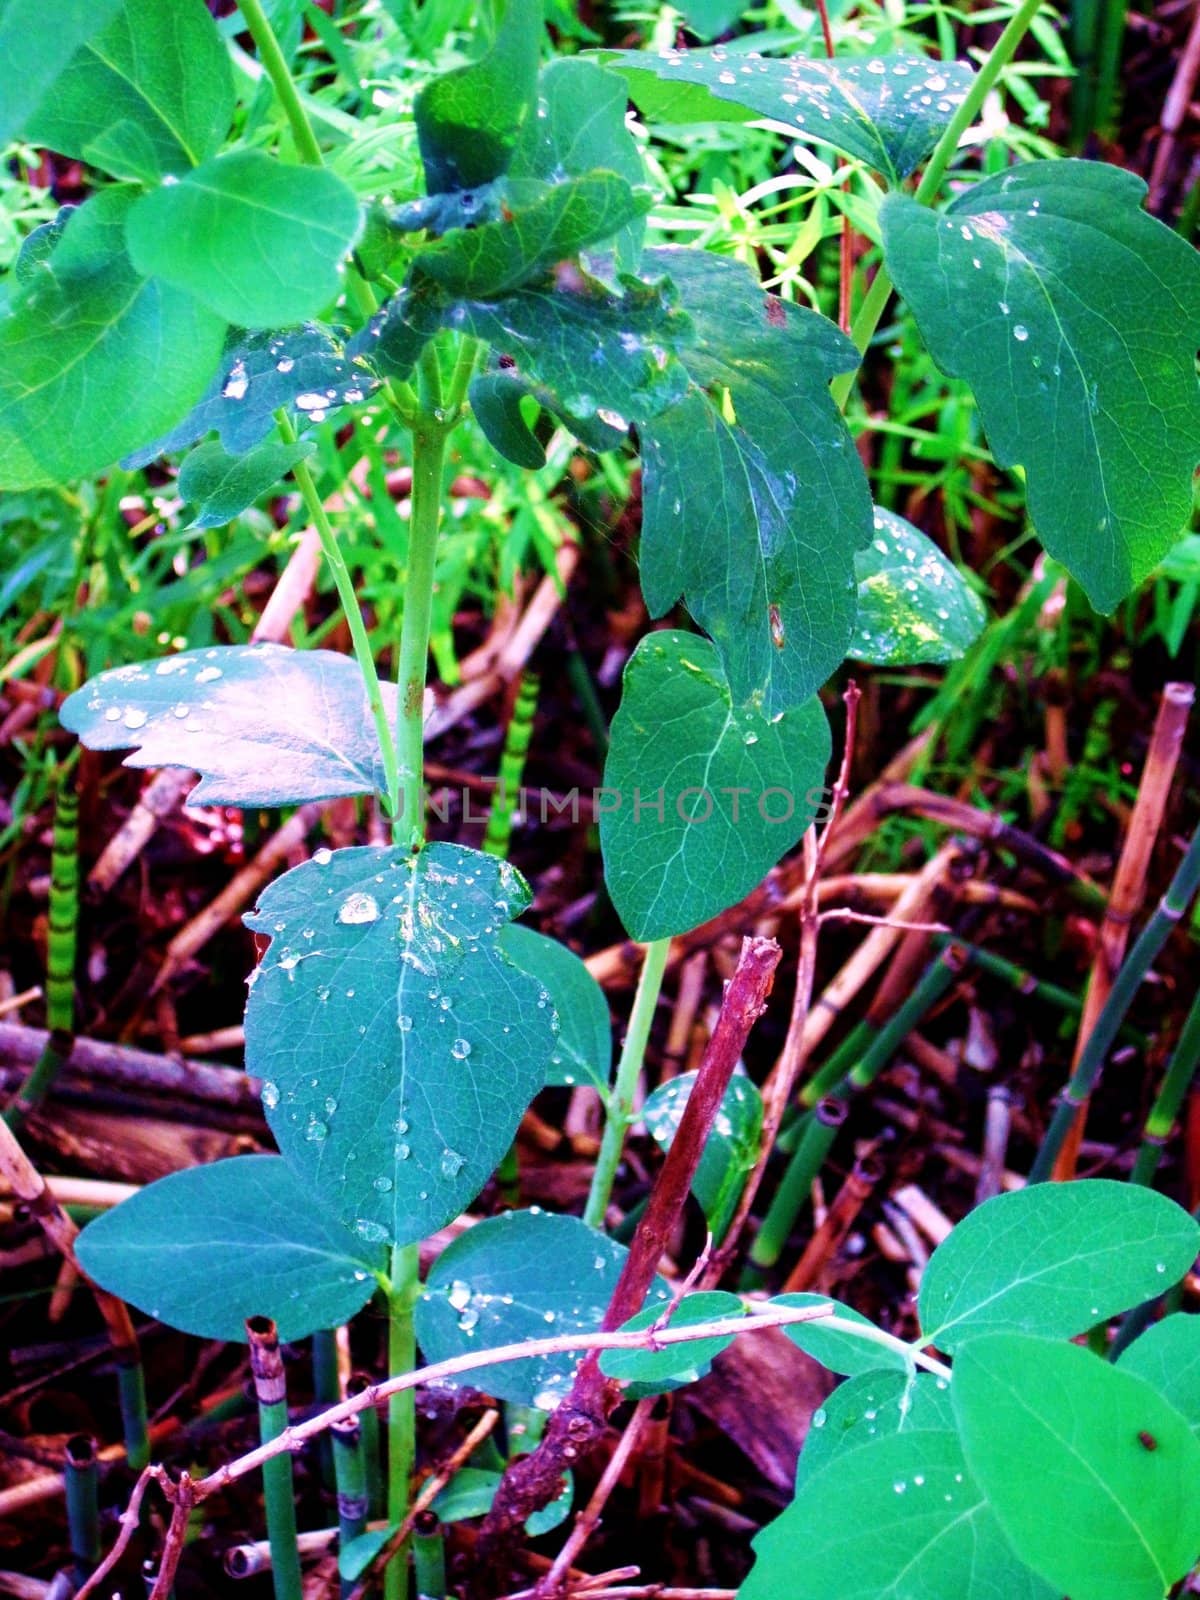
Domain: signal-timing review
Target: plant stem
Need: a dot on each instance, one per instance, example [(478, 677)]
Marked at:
[(350, 1476), (276, 67), (270, 1388), (402, 1358), (620, 1101), (81, 1481), (1178, 1078)]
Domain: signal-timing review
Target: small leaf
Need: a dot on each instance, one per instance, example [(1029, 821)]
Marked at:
[(1092, 1476), (897, 1519), (658, 1371), (256, 240), (150, 94), (1167, 1356), (885, 110), (875, 1405), (840, 1352), (913, 605), (398, 1045), (755, 497), (219, 486), (1055, 1259), (730, 1151), (1075, 318), (34, 54), (94, 357), (522, 1275), (496, 403), (737, 787), (583, 1049), (472, 1489), (205, 709), (207, 1247)]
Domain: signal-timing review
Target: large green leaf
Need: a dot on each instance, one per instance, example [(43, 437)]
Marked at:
[(755, 498), (93, 356), (897, 1519), (398, 1045), (150, 94), (885, 110), (522, 1275), (1075, 318), (264, 725), (583, 1050), (34, 54), (1167, 1355), (839, 1351), (1054, 1259), (1094, 1478), (737, 787), (219, 486), (730, 1151), (874, 1405), (258, 241), (210, 1246), (308, 370), (913, 604), (468, 120)]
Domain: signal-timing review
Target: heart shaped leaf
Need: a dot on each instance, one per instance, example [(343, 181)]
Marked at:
[(205, 709), (1075, 318), (885, 110), (219, 486), (583, 1050), (755, 498), (398, 1045), (730, 1151), (1054, 1259), (913, 604), (703, 795), (206, 1248), (254, 239)]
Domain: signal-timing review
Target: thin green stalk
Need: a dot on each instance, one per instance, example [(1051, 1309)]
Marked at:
[(372, 1446), (81, 1480), (1176, 1082), (429, 1557), (276, 67), (135, 1417), (270, 1389), (818, 1131), (1128, 981), (350, 1478), (326, 1391), (619, 1112), (506, 798), (402, 1357)]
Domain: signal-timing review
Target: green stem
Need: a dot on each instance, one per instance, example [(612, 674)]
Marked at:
[(266, 1365), (350, 1478), (276, 67), (620, 1103), (82, 1484), (1176, 1082), (402, 1357)]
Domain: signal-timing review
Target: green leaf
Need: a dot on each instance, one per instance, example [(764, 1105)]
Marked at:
[(840, 1352), (1075, 318), (1055, 1259), (522, 1275), (755, 521), (730, 1151), (583, 1049), (468, 120), (913, 604), (308, 370), (738, 787), (34, 54), (1093, 1477), (496, 404), (875, 1405), (554, 224), (398, 1045), (95, 357), (258, 241), (1167, 1356), (207, 709), (38, 247), (898, 1519), (472, 1489), (150, 94), (707, 19), (219, 486), (207, 1247), (885, 110), (658, 1371)]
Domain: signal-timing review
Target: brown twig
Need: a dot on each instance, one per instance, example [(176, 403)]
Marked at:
[(124, 1067), (835, 1225), (128, 1521), (183, 1494)]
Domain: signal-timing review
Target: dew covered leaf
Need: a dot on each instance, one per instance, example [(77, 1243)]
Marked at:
[(219, 486), (650, 1372), (897, 1519), (730, 1150), (885, 110), (205, 709), (93, 356), (1054, 1259), (205, 1248), (874, 1405), (1167, 1356), (522, 1275), (151, 93), (841, 1352), (1075, 318), (583, 1049), (1101, 1454), (738, 788), (34, 54), (257, 240), (913, 604), (398, 1044), (755, 500), (307, 370)]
